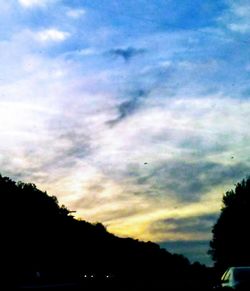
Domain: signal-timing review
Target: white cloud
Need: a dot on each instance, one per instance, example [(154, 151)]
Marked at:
[(32, 3), (52, 34), (76, 13), (240, 27), (241, 10), (236, 18)]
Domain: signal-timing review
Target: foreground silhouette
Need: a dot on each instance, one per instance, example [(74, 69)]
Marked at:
[(230, 245), (44, 245)]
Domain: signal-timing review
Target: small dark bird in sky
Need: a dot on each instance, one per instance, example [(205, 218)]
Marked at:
[(145, 163), (232, 157)]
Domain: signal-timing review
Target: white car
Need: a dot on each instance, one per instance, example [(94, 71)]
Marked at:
[(236, 278)]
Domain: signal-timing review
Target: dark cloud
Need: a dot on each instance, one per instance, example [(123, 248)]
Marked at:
[(188, 181), (197, 224), (79, 144), (195, 251), (126, 53), (200, 145), (129, 106)]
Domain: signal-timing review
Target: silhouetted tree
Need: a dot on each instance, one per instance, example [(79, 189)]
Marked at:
[(37, 234), (230, 244)]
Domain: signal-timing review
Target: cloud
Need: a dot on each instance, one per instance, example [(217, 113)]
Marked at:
[(240, 27), (236, 17), (183, 126), (128, 107), (34, 3), (126, 53), (113, 202), (188, 181), (201, 225), (76, 13), (52, 34)]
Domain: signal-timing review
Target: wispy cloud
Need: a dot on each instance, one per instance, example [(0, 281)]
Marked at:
[(236, 17), (128, 107), (34, 3), (198, 225), (240, 27), (76, 13), (52, 34)]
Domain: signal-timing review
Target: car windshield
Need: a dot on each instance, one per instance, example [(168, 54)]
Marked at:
[(242, 274)]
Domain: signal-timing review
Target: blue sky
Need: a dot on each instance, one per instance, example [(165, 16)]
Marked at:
[(133, 113)]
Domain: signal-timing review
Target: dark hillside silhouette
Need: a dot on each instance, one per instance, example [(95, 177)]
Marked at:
[(230, 245), (41, 237)]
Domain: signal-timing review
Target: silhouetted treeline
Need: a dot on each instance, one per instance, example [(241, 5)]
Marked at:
[(230, 245), (39, 235)]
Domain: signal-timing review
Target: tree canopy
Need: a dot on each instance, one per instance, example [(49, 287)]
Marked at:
[(39, 234), (230, 245)]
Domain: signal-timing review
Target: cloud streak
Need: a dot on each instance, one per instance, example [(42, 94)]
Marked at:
[(200, 224), (128, 107)]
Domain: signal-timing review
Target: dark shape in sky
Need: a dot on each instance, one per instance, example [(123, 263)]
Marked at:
[(129, 106), (192, 180), (126, 53), (196, 224)]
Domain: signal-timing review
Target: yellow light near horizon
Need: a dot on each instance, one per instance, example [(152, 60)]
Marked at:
[(138, 225)]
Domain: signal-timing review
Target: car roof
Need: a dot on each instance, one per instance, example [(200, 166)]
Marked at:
[(240, 267)]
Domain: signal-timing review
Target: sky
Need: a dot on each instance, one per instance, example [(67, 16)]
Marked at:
[(134, 114)]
